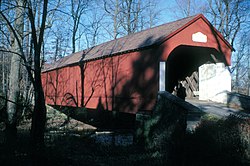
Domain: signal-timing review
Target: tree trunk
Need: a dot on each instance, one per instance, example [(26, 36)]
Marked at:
[(14, 89), (129, 3), (39, 113), (57, 50), (14, 77), (248, 73), (74, 40), (3, 74)]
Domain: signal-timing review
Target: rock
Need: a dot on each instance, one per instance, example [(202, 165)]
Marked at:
[(57, 120), (239, 101), (53, 113)]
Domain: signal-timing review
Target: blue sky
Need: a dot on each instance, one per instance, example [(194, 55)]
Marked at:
[(169, 10)]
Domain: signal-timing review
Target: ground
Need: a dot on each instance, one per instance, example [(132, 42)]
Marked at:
[(218, 109), (71, 143), (74, 143)]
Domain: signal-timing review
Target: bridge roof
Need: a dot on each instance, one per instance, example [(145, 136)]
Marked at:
[(133, 42)]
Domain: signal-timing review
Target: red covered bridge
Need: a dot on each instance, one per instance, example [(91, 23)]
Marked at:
[(125, 74)]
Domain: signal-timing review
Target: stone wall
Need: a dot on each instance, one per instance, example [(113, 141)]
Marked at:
[(238, 101), (165, 130)]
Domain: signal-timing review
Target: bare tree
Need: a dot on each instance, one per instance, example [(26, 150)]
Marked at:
[(78, 8), (228, 16), (58, 43), (124, 15), (237, 68), (5, 67), (93, 28), (150, 14), (39, 113), (186, 8), (27, 85), (14, 89), (5, 57), (248, 73), (113, 9), (130, 16), (131, 12), (57, 38)]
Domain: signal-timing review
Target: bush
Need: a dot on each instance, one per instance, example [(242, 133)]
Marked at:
[(219, 142), (162, 134)]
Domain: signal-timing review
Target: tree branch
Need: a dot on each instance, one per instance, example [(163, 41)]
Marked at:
[(4, 98), (19, 44)]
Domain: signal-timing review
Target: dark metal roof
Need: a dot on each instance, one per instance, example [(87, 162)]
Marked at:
[(139, 40)]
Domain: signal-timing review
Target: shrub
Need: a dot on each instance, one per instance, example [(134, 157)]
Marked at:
[(219, 142)]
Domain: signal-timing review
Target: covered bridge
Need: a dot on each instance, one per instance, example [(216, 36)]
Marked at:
[(125, 74)]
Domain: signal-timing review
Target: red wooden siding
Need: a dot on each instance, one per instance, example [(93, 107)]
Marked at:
[(126, 83), (123, 80), (62, 86)]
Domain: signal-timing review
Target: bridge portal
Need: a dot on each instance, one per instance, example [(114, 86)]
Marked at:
[(201, 70)]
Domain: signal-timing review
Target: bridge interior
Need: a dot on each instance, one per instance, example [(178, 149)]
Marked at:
[(183, 63)]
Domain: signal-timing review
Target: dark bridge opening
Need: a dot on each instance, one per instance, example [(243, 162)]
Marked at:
[(183, 64)]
